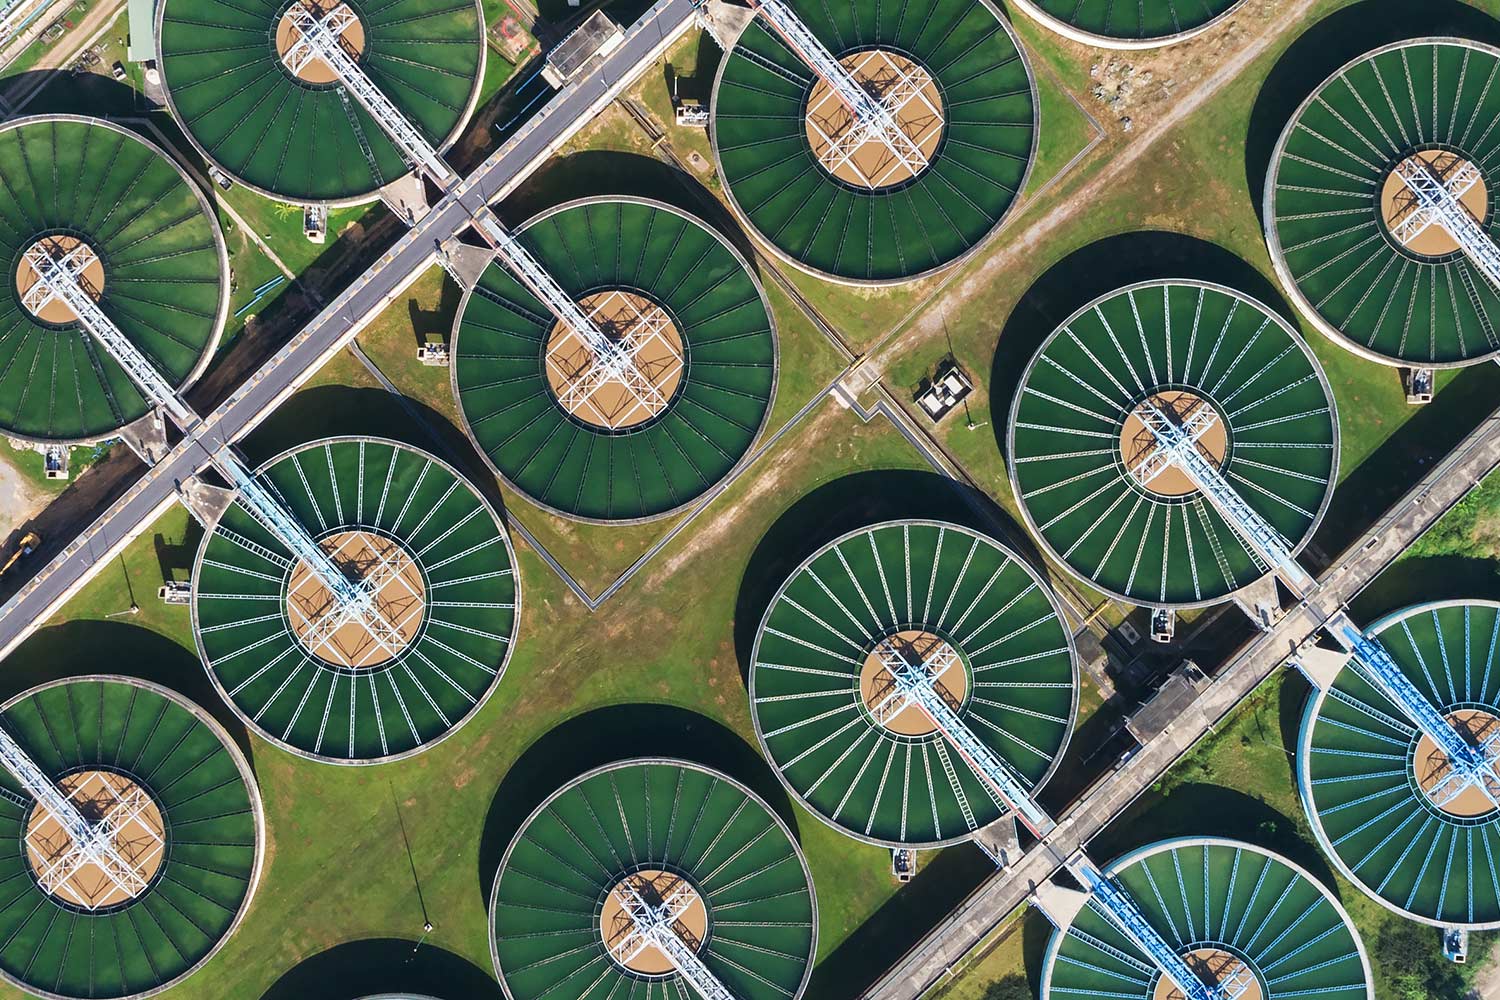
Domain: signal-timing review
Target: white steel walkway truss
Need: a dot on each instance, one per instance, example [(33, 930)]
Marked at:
[(654, 927), (642, 332), (1113, 902), (873, 119), (321, 38), (89, 843), (1177, 445), (1439, 202), (907, 87), (914, 683), (1469, 765), (59, 277)]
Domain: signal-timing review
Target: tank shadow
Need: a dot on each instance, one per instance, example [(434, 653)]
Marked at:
[(338, 410), (1100, 268), (1331, 43), (843, 505), (942, 883), (600, 172), (1429, 578), (117, 647), (1197, 809), (604, 736), (378, 966)]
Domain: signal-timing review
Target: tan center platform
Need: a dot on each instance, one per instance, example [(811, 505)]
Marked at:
[(1432, 764), (876, 682), (317, 71), (606, 401), (1213, 966), (1397, 202), (138, 837), (400, 601), (616, 923), (1137, 442), (871, 164), (92, 278)]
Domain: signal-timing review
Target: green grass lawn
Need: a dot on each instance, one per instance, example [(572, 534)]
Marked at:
[(337, 870), (280, 225)]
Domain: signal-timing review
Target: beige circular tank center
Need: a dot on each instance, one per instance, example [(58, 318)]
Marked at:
[(871, 164), (616, 923), (600, 398), (1213, 966), (139, 835), (400, 602), (1397, 201), (54, 310), (876, 684), (316, 70), (1432, 764), (1137, 442)]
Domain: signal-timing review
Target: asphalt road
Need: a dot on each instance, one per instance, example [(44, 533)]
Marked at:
[(339, 321)]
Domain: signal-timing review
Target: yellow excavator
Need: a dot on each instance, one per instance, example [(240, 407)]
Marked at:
[(27, 545)]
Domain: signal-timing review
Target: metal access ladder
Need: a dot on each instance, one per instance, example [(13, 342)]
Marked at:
[(914, 682), (1177, 445), (653, 928), (1116, 905)]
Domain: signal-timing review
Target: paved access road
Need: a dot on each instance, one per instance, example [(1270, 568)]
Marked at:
[(1449, 481), (328, 332)]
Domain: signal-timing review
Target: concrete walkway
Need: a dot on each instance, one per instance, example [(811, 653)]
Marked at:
[(931, 960)]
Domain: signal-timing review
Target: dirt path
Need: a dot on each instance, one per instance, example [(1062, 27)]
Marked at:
[(1023, 242), (84, 34), (19, 500)]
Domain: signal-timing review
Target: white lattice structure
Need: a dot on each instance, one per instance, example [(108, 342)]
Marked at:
[(641, 331), (873, 119), (1177, 445), (1439, 202), (653, 926), (907, 84), (915, 680), (90, 843)]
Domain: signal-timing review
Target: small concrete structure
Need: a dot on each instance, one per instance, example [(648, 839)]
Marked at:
[(949, 387), (903, 863), (1456, 945), (691, 114), (434, 352), (1168, 704), (315, 223), (175, 592), (595, 38), (55, 461), (1163, 625), (1418, 385)]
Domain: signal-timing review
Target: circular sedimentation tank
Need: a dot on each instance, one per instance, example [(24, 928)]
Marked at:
[(1114, 24), (148, 250), (821, 695), (185, 815), (1236, 914), (855, 212), (1080, 455), (1344, 233), (440, 569), (586, 443), (297, 135), (1365, 773), (669, 831)]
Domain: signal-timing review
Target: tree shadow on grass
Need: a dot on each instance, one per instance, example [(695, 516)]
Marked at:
[(116, 647), (1197, 809), (1367, 491), (333, 410), (1330, 44), (379, 966), (844, 505), (1100, 268), (604, 736), (1428, 578), (943, 882)]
